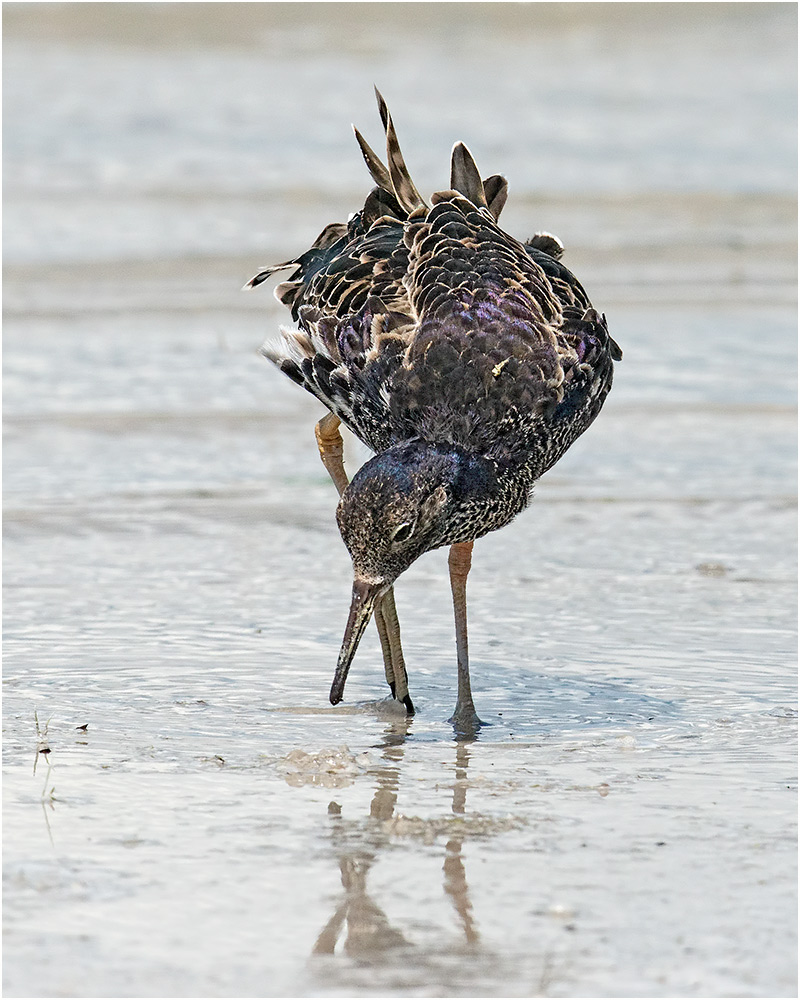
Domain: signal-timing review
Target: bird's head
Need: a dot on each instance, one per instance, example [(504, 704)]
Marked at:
[(406, 501)]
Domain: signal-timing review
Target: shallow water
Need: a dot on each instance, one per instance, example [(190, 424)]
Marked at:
[(174, 580)]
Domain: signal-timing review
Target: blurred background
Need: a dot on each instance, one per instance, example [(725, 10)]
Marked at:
[(173, 573)]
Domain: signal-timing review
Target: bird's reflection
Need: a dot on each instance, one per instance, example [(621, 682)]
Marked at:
[(368, 932), (455, 875), (368, 929)]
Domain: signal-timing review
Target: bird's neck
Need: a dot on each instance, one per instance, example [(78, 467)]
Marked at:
[(487, 494)]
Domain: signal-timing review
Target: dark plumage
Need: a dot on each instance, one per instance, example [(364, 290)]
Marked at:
[(466, 360)]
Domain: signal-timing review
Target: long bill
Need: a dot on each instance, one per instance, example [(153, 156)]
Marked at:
[(365, 596)]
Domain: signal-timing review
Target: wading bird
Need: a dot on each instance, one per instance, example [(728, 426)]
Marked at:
[(468, 361)]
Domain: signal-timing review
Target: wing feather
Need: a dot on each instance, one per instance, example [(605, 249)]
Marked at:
[(433, 322)]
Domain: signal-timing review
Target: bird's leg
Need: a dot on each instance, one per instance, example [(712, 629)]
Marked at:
[(389, 631), (331, 451), (465, 718)]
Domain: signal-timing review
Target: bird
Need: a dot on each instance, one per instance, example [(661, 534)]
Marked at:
[(466, 360)]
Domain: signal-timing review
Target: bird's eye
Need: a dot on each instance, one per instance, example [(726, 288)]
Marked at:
[(403, 532)]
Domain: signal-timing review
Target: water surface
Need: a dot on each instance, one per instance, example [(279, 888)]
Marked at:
[(205, 824)]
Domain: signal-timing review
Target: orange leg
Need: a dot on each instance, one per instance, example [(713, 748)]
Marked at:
[(464, 718)]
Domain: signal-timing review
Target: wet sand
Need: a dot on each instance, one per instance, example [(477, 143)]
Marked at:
[(175, 583)]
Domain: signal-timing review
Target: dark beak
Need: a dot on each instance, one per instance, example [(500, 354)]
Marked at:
[(365, 597)]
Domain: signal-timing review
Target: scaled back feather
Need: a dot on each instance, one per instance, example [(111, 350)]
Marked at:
[(432, 323)]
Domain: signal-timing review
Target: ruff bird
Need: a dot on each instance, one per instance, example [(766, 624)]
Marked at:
[(468, 361)]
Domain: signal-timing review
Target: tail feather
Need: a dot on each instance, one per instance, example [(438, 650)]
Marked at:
[(266, 273), (464, 176), (380, 203), (404, 188), (496, 190), (377, 170), (329, 235)]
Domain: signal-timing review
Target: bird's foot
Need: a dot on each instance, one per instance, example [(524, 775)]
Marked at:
[(410, 710), (465, 721)]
